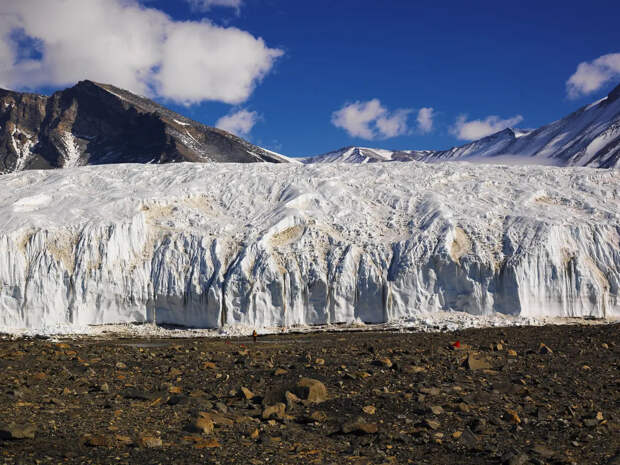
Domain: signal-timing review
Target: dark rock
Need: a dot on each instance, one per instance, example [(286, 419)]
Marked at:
[(312, 390), (359, 426), (109, 125), (476, 363), (15, 431)]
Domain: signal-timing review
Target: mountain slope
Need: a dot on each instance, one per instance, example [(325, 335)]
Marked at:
[(588, 137), (94, 123)]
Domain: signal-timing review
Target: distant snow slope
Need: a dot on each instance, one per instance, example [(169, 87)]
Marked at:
[(264, 245), (588, 137)]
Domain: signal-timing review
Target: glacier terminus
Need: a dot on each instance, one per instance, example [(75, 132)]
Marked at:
[(225, 245)]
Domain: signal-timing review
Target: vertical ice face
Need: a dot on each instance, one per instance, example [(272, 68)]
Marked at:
[(285, 245)]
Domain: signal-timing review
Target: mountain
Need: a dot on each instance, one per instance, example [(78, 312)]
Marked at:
[(588, 137), (264, 245), (93, 124)]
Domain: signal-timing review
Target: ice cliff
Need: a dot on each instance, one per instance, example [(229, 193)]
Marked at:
[(223, 245)]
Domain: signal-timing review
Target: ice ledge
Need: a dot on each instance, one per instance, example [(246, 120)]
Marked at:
[(262, 246)]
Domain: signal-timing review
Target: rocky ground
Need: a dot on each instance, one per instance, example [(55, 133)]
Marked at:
[(528, 395)]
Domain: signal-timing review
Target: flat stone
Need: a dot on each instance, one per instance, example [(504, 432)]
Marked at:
[(276, 410), (318, 416), (249, 395), (383, 362), (369, 409), (202, 424), (312, 390), (221, 420), (413, 369), (291, 399), (432, 424), (430, 391), (149, 441), (14, 431), (543, 451), (436, 409), (96, 440), (512, 416), (359, 426), (463, 407), (477, 363)]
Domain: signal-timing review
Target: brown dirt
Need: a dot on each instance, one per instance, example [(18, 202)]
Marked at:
[(420, 401)]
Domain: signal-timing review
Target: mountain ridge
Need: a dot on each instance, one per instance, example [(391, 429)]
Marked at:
[(590, 136), (94, 123)]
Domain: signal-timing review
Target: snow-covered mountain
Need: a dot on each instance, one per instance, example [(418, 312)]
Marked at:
[(92, 123), (267, 245), (588, 137)]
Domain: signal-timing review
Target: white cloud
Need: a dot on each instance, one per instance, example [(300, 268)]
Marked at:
[(425, 119), (371, 120), (123, 43), (239, 123), (591, 76), (204, 5), (394, 124), (478, 128)]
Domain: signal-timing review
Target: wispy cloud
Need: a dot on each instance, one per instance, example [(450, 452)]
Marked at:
[(239, 123), (478, 128), (425, 119), (129, 45), (371, 120), (592, 75)]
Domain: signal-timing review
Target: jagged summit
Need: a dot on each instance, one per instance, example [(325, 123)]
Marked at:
[(93, 123)]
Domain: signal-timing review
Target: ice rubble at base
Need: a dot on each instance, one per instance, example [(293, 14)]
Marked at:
[(263, 246)]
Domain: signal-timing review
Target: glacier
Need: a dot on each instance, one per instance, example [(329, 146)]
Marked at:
[(264, 245)]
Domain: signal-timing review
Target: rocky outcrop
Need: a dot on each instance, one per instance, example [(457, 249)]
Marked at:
[(94, 124), (266, 245)]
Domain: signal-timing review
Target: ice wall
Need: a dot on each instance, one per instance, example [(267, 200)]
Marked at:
[(225, 245)]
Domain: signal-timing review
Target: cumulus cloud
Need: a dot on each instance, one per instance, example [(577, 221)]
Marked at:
[(371, 120), (591, 76), (425, 119), (478, 128), (123, 43), (239, 123), (204, 5)]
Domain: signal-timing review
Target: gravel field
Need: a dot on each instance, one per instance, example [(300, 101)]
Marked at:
[(517, 396)]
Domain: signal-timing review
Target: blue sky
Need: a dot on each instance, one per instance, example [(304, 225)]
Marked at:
[(467, 61)]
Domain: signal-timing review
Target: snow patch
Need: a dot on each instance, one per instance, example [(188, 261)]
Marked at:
[(71, 150), (22, 150)]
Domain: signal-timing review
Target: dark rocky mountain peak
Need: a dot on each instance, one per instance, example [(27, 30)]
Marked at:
[(93, 123)]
